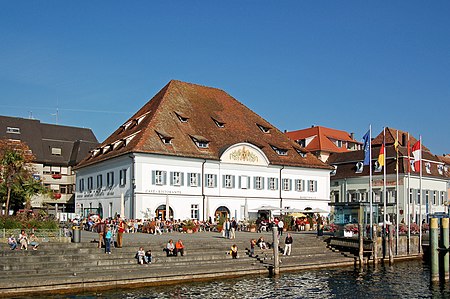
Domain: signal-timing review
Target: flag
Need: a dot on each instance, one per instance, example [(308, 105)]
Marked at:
[(366, 139), (417, 154), (409, 155), (381, 156)]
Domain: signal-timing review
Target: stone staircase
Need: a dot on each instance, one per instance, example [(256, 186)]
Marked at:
[(73, 267)]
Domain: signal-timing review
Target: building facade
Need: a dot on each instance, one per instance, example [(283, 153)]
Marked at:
[(195, 152), (57, 149), (350, 181)]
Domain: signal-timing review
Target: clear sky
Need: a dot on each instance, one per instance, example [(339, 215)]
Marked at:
[(339, 64)]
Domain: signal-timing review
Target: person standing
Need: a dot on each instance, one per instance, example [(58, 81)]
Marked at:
[(288, 244), (280, 227), (108, 236), (252, 247), (227, 227), (233, 228), (120, 231)]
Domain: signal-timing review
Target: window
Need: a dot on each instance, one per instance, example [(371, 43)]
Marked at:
[(159, 177), (287, 184), (194, 211), (56, 151), (339, 143), (194, 179), (110, 179), (302, 142), (302, 154), (410, 196), (211, 180), (263, 128), (176, 179), (259, 183), (12, 130), (99, 181), (378, 167), (200, 141), (81, 185), (435, 197), (312, 186), (280, 151), (123, 177), (272, 183), (182, 118), (428, 167), (90, 183), (244, 182), (333, 172), (165, 138), (228, 181), (300, 185), (219, 124)]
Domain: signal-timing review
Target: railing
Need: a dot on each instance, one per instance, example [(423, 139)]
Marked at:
[(44, 235), (350, 243)]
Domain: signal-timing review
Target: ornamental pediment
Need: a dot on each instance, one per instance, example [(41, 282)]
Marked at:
[(244, 153)]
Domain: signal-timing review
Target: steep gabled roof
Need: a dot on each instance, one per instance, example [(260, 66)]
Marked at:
[(183, 114), (322, 138), (74, 142)]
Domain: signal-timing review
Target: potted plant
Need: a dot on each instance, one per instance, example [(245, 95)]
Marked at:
[(189, 226)]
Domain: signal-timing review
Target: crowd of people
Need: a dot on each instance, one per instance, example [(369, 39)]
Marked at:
[(23, 241)]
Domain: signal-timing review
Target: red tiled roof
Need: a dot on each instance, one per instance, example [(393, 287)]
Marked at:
[(184, 110), (322, 141)]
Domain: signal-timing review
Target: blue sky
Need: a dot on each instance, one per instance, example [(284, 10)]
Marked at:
[(339, 64)]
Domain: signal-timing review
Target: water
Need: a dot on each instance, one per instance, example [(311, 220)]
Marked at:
[(403, 280)]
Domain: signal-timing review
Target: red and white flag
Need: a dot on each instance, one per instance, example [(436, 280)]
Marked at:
[(417, 154)]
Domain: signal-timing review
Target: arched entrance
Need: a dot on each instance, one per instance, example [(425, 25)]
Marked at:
[(161, 213), (222, 212)]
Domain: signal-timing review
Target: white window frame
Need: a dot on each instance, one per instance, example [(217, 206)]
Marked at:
[(177, 178), (194, 211), (299, 185), (228, 181), (123, 177), (99, 181), (193, 179), (286, 184), (272, 183), (259, 183), (210, 180), (312, 185), (110, 179), (90, 183), (159, 177)]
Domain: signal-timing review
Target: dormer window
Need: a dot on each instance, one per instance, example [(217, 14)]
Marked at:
[(200, 141), (12, 130), (129, 138), (106, 148), (182, 118), (166, 139), (333, 172), (56, 151), (302, 142), (219, 123), (302, 154), (440, 169), (359, 167), (339, 143), (118, 144), (280, 151), (428, 167), (141, 118), (264, 129), (95, 152)]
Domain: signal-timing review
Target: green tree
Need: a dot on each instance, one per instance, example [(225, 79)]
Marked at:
[(17, 184)]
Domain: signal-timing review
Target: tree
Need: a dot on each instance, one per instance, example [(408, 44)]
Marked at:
[(17, 184)]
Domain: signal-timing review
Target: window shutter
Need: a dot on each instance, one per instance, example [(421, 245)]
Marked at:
[(315, 186), (164, 173), (153, 177), (303, 185), (171, 178), (181, 178), (188, 182), (248, 182), (233, 181), (290, 184), (254, 182), (215, 181), (205, 178), (262, 183), (199, 180), (223, 181), (239, 182), (276, 183)]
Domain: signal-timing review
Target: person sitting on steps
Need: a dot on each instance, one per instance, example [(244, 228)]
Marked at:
[(179, 248), (170, 248)]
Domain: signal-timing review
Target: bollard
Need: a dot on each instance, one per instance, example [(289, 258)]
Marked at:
[(434, 261), (276, 257), (445, 244)]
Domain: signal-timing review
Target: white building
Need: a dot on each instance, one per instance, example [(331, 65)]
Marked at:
[(196, 152)]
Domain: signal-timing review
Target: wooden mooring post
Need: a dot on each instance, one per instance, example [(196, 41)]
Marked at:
[(444, 245), (361, 245), (276, 257), (375, 244), (391, 244), (434, 260)]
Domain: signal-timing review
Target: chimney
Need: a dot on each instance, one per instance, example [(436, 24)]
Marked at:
[(285, 131), (352, 136)]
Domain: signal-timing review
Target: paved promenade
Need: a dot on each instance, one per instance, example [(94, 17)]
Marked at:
[(77, 267)]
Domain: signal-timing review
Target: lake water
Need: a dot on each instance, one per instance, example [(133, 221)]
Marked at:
[(409, 279)]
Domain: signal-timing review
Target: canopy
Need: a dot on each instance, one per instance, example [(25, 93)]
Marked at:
[(268, 208)]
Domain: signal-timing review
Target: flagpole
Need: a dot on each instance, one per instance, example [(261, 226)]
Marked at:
[(396, 196), (409, 196), (370, 182), (420, 201), (384, 181)]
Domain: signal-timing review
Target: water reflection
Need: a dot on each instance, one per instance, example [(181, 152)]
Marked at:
[(402, 280)]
